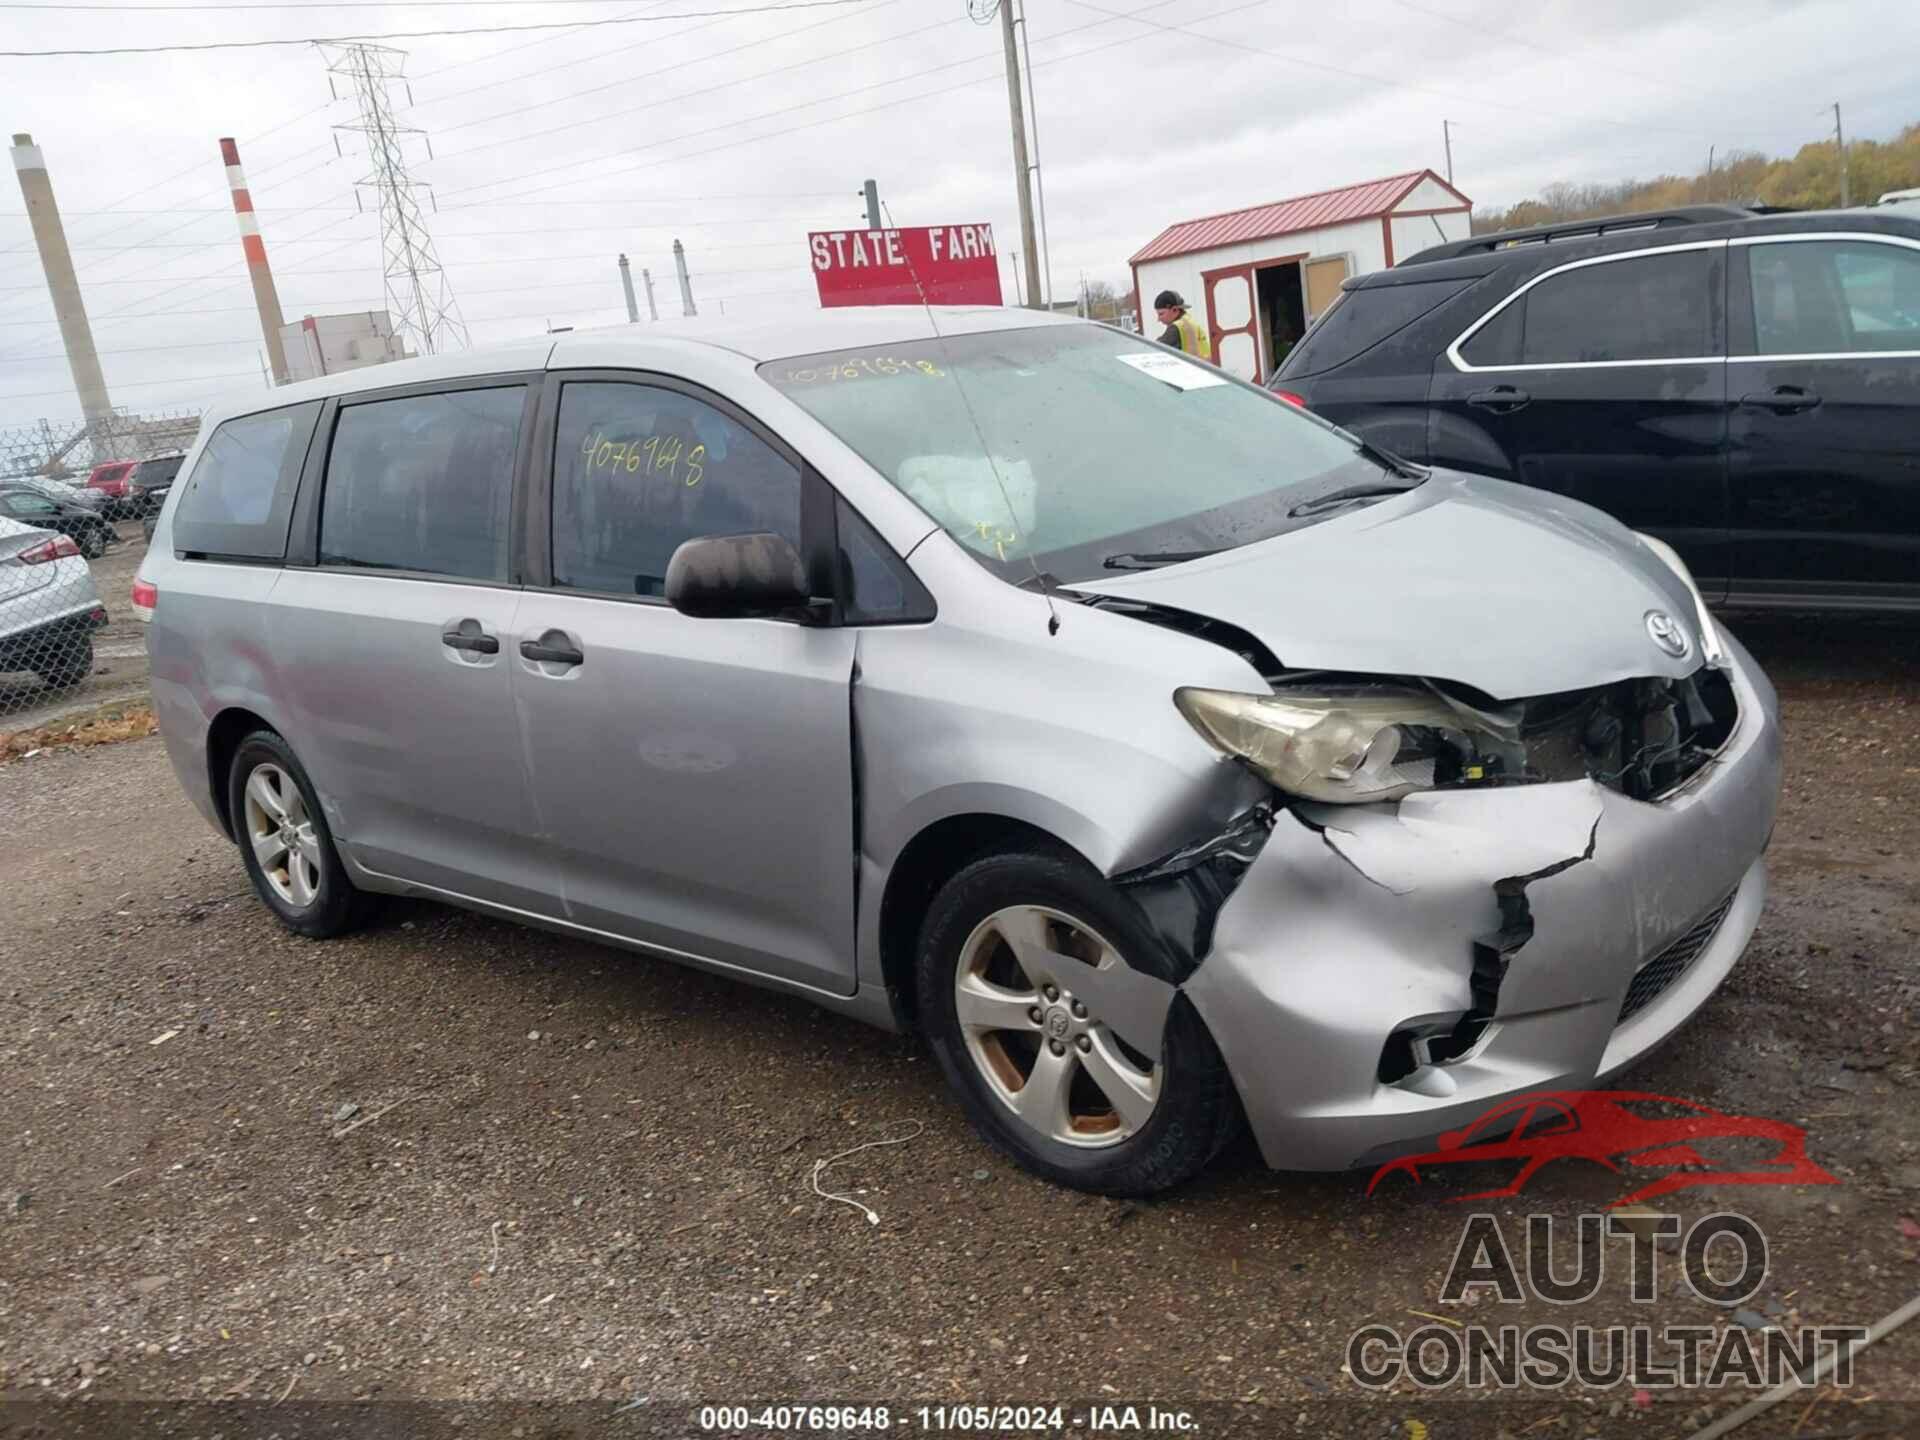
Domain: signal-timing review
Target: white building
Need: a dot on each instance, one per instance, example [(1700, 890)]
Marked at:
[(327, 344), (1258, 277)]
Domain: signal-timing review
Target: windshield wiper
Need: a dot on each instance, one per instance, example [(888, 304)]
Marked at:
[(1154, 559), (1371, 491), (1387, 460)]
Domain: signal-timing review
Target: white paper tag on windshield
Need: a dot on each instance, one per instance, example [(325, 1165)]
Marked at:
[(1176, 370)]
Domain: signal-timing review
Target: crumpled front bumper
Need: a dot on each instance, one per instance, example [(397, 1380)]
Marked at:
[(1355, 921)]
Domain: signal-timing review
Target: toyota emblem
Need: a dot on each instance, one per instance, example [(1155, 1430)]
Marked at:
[(1668, 633)]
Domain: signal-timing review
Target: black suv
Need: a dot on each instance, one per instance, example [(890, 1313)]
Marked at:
[(1745, 386)]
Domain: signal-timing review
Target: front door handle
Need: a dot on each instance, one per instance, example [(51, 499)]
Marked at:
[(1782, 400), (470, 640), (1502, 399), (553, 648)]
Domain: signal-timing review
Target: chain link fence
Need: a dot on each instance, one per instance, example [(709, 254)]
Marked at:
[(76, 503)]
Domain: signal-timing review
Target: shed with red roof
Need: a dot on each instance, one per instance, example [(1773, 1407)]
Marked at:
[(1258, 277)]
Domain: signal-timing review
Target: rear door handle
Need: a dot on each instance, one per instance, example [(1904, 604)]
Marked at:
[(553, 648), (1502, 399), (472, 641), (1782, 400)]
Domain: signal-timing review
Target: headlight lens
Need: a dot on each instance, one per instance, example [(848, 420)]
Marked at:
[(1349, 748)]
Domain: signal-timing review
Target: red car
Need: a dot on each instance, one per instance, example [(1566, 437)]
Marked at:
[(114, 479), (1618, 1128)]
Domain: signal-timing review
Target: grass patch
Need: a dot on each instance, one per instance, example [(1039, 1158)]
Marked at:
[(107, 725)]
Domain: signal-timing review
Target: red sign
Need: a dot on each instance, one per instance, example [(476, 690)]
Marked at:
[(930, 264)]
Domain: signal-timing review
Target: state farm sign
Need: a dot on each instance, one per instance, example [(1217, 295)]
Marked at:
[(940, 264)]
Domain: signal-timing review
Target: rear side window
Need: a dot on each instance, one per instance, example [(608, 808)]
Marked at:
[(239, 497), (1363, 318), (1653, 307), (423, 483), (639, 469)]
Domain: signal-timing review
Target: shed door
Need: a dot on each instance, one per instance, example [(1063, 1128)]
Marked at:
[(1231, 321), (1323, 283)]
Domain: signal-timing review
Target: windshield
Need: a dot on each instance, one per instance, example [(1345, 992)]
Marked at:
[(1094, 451)]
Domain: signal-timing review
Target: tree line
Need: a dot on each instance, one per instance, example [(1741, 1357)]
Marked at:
[(1809, 180)]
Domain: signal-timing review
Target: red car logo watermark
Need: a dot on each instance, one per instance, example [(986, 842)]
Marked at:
[(1620, 1129)]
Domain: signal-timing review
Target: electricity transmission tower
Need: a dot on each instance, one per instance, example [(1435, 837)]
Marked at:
[(418, 296)]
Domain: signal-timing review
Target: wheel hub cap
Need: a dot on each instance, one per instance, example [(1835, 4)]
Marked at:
[(1043, 1052)]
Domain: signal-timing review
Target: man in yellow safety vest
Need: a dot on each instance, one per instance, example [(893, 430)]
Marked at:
[(1183, 332)]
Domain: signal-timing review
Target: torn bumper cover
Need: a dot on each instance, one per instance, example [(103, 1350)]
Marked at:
[(1383, 973)]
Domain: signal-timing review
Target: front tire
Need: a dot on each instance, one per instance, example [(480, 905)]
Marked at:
[(1064, 1095), (285, 843)]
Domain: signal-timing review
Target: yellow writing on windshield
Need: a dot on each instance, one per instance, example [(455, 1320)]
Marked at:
[(863, 367)]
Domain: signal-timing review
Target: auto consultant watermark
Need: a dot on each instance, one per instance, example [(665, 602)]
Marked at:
[(1667, 1143), (1722, 1256)]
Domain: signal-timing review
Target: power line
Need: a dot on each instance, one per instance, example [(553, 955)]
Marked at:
[(814, 124), (1532, 111), (626, 80), (426, 34)]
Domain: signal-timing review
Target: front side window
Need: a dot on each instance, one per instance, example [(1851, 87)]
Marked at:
[(1073, 449), (423, 483), (638, 470), (239, 498), (1824, 297)]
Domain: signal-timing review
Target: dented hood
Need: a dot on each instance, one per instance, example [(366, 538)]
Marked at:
[(1513, 591)]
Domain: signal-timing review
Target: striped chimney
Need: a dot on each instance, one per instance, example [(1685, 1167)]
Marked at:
[(264, 295)]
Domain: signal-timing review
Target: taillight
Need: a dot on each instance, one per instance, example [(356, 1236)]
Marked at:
[(146, 595), (1291, 398), (57, 548)]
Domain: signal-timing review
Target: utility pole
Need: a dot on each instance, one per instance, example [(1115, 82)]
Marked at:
[(1840, 140), (872, 192), (686, 280), (1018, 297), (1039, 180), (626, 284), (1446, 138), (1021, 176), (653, 310), (1710, 150)]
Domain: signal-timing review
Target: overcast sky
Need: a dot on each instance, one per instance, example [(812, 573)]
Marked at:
[(556, 149)]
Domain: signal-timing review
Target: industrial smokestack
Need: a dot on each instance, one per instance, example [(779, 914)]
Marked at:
[(626, 284), (653, 310), (686, 281), (264, 295), (82, 359)]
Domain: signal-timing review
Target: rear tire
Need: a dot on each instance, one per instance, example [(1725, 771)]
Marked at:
[(285, 843), (69, 665), (1174, 1112)]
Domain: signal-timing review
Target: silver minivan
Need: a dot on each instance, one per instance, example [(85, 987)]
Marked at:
[(1166, 756)]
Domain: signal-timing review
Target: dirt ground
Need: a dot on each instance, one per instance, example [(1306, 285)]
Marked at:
[(454, 1160)]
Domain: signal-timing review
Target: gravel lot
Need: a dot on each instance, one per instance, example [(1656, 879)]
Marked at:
[(451, 1159)]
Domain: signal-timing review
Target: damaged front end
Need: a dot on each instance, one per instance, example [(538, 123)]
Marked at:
[(1480, 899)]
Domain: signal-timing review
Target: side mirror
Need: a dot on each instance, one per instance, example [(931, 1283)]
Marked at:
[(732, 576)]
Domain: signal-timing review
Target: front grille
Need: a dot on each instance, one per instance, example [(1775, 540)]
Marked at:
[(1671, 963)]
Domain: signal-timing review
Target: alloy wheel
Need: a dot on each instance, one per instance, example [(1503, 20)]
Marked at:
[(1042, 1051), (282, 835)]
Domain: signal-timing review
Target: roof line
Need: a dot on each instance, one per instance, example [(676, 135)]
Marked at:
[(1408, 181)]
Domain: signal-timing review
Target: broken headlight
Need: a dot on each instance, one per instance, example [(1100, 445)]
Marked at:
[(1352, 747)]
